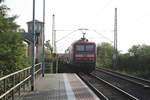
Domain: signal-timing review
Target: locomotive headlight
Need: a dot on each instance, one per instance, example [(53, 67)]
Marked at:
[(90, 55)]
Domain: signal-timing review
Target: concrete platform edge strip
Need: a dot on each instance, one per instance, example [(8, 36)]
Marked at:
[(94, 95), (69, 91)]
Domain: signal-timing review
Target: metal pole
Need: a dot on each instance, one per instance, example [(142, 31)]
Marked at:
[(43, 39), (54, 35), (116, 29), (55, 47), (33, 50), (115, 41)]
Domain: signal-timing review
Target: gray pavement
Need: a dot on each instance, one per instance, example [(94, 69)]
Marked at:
[(60, 87), (51, 87)]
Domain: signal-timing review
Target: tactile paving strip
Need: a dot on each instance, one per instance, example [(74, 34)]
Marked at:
[(81, 91)]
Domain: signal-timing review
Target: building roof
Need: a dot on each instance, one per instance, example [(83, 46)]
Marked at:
[(36, 21), (28, 37)]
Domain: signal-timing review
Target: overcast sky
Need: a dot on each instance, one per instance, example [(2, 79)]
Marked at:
[(133, 19)]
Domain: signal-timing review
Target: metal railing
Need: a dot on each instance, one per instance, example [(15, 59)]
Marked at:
[(13, 83)]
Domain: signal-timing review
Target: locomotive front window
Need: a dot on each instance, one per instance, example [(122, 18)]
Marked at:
[(89, 47), (79, 47)]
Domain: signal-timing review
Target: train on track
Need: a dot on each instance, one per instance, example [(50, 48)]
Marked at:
[(81, 56)]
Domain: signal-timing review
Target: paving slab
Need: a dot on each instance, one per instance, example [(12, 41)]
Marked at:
[(60, 87)]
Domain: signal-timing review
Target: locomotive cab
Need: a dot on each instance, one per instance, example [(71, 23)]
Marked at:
[(84, 56), (81, 56)]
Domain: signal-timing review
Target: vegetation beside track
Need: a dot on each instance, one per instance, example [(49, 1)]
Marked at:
[(135, 62)]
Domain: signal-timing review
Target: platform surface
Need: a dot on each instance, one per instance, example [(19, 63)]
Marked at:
[(60, 87)]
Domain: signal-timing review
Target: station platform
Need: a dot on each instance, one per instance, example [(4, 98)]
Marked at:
[(60, 87)]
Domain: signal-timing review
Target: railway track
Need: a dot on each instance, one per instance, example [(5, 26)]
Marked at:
[(137, 87), (104, 89), (139, 81)]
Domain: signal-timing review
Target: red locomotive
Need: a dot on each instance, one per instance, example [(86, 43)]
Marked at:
[(81, 55)]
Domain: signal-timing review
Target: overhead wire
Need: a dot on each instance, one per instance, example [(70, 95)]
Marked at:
[(96, 31), (66, 44), (66, 35), (103, 36), (65, 30), (105, 6)]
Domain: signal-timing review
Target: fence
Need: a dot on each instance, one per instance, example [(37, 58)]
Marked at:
[(13, 83), (51, 67)]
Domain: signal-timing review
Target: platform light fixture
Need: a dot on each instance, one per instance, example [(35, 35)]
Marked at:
[(38, 27)]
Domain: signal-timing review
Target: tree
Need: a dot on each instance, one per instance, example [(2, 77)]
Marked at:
[(104, 54), (12, 51), (48, 45), (7, 24), (140, 50), (48, 51), (136, 60), (48, 57)]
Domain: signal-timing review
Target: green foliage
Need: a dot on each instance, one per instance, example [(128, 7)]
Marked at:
[(136, 61), (1, 1), (12, 51), (48, 50), (48, 57), (7, 24), (104, 54)]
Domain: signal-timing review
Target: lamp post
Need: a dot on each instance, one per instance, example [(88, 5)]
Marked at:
[(33, 50), (36, 28), (43, 39)]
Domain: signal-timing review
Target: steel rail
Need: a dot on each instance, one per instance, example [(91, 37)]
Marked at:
[(116, 88), (121, 76), (96, 91), (125, 75)]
